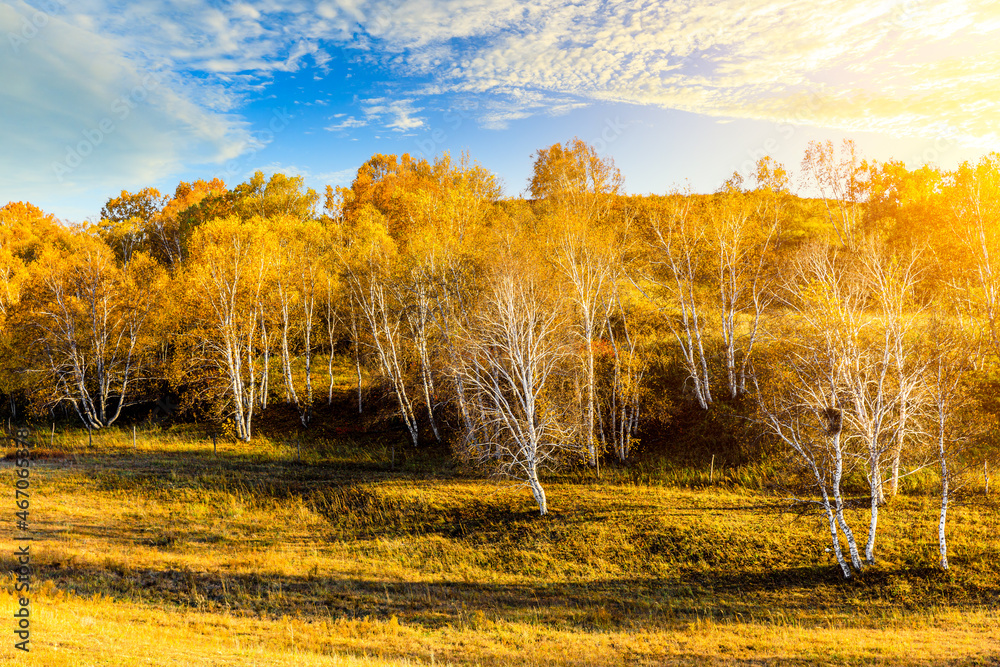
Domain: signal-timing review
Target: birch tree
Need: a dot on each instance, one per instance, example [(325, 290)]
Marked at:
[(946, 378), (84, 322), (580, 187), (953, 415), (368, 262), (627, 373), (300, 259), (356, 345), (861, 357), (679, 247), (413, 293), (509, 364), (450, 214), (230, 267), (332, 318), (800, 405), (837, 176), (974, 199), (744, 228), (589, 262), (891, 281), (417, 214), (830, 302)]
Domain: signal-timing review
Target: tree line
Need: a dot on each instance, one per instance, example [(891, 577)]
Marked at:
[(858, 329)]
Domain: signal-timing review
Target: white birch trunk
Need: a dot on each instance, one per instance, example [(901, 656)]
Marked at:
[(385, 338), (513, 349), (89, 352), (942, 519), (357, 356), (331, 318), (308, 312), (536, 489), (266, 375)]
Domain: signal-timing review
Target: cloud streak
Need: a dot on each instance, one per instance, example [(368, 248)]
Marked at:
[(907, 68), (77, 112), (904, 68)]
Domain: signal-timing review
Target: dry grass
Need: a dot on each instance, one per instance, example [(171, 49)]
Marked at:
[(102, 631), (165, 554)]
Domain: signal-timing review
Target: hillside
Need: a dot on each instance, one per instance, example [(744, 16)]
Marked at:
[(168, 554)]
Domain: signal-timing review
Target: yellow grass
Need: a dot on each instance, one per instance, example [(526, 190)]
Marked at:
[(75, 631), (167, 555)]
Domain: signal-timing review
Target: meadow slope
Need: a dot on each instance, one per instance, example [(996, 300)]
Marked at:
[(364, 554)]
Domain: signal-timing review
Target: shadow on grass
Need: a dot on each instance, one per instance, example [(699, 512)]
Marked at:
[(702, 570), (605, 604), (613, 603)]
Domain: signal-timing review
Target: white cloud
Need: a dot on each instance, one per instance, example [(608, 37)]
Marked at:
[(347, 124), (898, 66), (341, 177), (397, 115), (511, 104), (912, 62), (316, 181), (79, 115)]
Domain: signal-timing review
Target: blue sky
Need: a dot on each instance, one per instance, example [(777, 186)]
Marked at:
[(102, 95)]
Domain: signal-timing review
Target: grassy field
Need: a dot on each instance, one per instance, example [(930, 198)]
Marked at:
[(361, 553)]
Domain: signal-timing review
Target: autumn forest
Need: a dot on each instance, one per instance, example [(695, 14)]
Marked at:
[(850, 339)]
